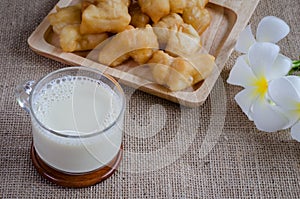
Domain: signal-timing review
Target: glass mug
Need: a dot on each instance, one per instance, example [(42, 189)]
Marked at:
[(77, 116)]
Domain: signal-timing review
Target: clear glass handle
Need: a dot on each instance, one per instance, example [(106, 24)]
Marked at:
[(22, 94)]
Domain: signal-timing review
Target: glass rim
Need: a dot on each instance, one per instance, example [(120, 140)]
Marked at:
[(93, 133)]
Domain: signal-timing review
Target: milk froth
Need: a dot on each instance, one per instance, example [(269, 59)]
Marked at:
[(76, 105)]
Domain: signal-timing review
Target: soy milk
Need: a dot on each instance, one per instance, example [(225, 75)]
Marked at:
[(82, 115)]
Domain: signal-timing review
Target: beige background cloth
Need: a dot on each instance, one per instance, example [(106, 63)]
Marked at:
[(169, 152)]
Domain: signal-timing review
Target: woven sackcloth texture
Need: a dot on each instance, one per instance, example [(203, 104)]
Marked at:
[(212, 151)]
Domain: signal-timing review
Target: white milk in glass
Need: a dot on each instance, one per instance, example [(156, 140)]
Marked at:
[(77, 109)]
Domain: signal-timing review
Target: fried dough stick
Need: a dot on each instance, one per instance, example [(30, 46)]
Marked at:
[(72, 40), (155, 9), (138, 43), (198, 17), (177, 6), (105, 16), (65, 23), (177, 73), (65, 16), (198, 3)]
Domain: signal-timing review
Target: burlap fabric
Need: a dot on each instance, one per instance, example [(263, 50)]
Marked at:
[(170, 152)]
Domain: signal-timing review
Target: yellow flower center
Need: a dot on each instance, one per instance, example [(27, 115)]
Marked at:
[(261, 85), (298, 108)]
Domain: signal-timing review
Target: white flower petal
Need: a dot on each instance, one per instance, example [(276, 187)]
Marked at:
[(280, 68), (261, 55), (245, 40), (295, 131), (241, 74), (245, 100), (267, 117), (271, 29), (295, 81), (284, 93)]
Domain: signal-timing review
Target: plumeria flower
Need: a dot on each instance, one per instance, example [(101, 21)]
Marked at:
[(270, 29), (254, 71), (285, 92)]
